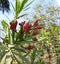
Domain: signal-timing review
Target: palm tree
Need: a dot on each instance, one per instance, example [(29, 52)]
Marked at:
[(4, 5)]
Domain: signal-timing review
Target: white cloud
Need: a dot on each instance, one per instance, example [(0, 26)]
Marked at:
[(58, 1)]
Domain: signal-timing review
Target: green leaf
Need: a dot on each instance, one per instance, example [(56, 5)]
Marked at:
[(21, 15), (16, 59), (17, 9), (29, 4), (13, 7), (23, 4), (8, 59), (33, 56), (21, 58), (2, 57), (19, 6), (20, 49), (3, 47), (4, 24), (3, 60), (26, 8)]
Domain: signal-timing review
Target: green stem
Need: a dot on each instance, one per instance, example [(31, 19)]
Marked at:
[(9, 35), (13, 34)]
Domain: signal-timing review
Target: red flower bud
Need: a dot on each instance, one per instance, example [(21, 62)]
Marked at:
[(35, 32), (26, 27), (30, 47), (13, 25), (34, 39)]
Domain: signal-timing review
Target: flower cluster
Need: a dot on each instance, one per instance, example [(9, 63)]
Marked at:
[(28, 28)]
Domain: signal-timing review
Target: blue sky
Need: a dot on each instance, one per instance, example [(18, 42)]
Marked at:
[(30, 11)]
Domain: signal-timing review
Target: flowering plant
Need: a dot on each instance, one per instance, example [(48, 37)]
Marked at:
[(16, 45), (28, 43), (21, 41)]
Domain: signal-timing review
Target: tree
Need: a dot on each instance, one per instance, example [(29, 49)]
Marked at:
[(4, 5), (48, 14)]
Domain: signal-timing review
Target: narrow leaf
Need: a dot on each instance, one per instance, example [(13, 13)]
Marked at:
[(4, 24)]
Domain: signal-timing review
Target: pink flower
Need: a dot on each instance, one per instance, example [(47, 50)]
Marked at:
[(30, 47)]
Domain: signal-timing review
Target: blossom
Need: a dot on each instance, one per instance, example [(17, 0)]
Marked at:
[(13, 25), (26, 27), (35, 23), (30, 47)]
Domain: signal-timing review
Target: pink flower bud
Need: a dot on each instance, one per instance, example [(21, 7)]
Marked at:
[(27, 27), (35, 23)]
